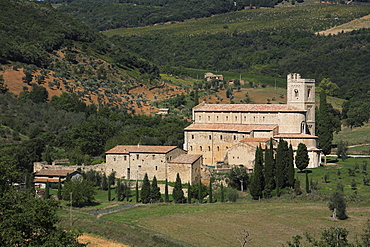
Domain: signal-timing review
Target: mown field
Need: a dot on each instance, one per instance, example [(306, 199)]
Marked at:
[(269, 222)]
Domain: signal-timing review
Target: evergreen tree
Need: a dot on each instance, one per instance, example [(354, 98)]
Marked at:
[(257, 182), (222, 193), (137, 192), (166, 197), (337, 202), (290, 168), (281, 163), (210, 191), (104, 182), (307, 184), (177, 193), (302, 159), (68, 178), (145, 190), (200, 192), (196, 98), (324, 129), (47, 190), (119, 190), (269, 171), (59, 194), (189, 193), (109, 193), (155, 193), (342, 149), (127, 189)]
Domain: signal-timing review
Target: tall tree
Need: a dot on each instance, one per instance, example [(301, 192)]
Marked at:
[(338, 204), (342, 149), (324, 129), (145, 190), (177, 193), (109, 193), (83, 192), (290, 168), (281, 163), (238, 178), (189, 193), (137, 192), (222, 192), (210, 191), (59, 194), (257, 182), (155, 193), (166, 196), (200, 192), (302, 159), (269, 171), (47, 190)]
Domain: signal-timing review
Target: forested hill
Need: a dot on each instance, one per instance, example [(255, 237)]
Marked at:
[(32, 32), (110, 14), (270, 42)]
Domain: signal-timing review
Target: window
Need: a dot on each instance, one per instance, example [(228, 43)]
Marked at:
[(217, 118), (234, 137), (209, 148), (192, 136), (209, 118), (137, 156), (114, 158), (220, 137), (218, 149), (156, 168), (210, 137), (191, 148), (125, 157), (236, 118), (227, 118), (201, 148), (200, 118), (295, 92), (139, 166), (153, 157), (308, 92)]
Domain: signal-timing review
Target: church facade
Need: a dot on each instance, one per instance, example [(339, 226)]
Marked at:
[(228, 134)]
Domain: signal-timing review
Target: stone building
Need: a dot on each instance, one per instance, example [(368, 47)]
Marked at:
[(210, 76), (52, 176), (132, 162), (188, 166), (229, 133)]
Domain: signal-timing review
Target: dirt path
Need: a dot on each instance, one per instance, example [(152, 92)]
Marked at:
[(94, 241), (363, 22)]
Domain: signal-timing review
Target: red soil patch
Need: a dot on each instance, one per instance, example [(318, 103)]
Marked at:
[(94, 241)]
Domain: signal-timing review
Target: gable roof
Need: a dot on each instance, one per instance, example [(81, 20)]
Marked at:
[(186, 158), (246, 108), (126, 149), (295, 136), (246, 128), (55, 173)]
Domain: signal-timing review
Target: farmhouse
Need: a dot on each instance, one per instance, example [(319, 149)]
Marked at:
[(228, 134), (132, 162), (52, 176), (210, 76)]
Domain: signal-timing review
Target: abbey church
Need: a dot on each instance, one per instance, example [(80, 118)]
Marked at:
[(228, 134)]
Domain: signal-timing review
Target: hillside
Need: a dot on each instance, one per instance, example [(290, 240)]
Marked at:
[(271, 42)]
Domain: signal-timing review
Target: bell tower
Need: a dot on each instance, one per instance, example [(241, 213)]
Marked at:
[(301, 94)]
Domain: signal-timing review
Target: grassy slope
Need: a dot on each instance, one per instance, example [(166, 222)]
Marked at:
[(270, 222)]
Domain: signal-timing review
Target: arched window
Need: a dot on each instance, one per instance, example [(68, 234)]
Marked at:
[(209, 148), (210, 137), (308, 92), (209, 118), (218, 149), (234, 137), (192, 136), (227, 118), (201, 148), (191, 148), (295, 92)]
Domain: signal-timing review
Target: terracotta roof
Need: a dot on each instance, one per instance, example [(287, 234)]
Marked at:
[(44, 180), (255, 140), (52, 172), (297, 136), (247, 108), (186, 158), (231, 127), (126, 149)]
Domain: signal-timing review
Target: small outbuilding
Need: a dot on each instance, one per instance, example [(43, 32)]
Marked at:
[(52, 176)]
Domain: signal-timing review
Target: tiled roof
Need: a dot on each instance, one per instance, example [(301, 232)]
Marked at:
[(296, 136), (126, 149), (50, 180), (231, 127), (246, 108), (255, 140), (52, 172), (186, 158)]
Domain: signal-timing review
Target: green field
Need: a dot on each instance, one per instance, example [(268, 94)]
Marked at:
[(360, 135), (269, 222)]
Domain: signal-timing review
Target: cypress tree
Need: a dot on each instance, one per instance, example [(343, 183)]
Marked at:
[(109, 193), (302, 159), (118, 190), (200, 192), (59, 194), (166, 197), (47, 190), (104, 182), (145, 190), (307, 184), (189, 194), (290, 168), (324, 128), (210, 191), (137, 192), (222, 193), (68, 178), (281, 163), (127, 188), (269, 171), (155, 193), (177, 193), (257, 183)]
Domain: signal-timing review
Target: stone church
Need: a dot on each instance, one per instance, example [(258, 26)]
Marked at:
[(227, 135)]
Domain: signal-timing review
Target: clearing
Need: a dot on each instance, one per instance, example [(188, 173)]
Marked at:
[(363, 22)]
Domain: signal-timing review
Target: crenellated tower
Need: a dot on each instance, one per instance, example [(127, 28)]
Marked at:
[(301, 94)]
